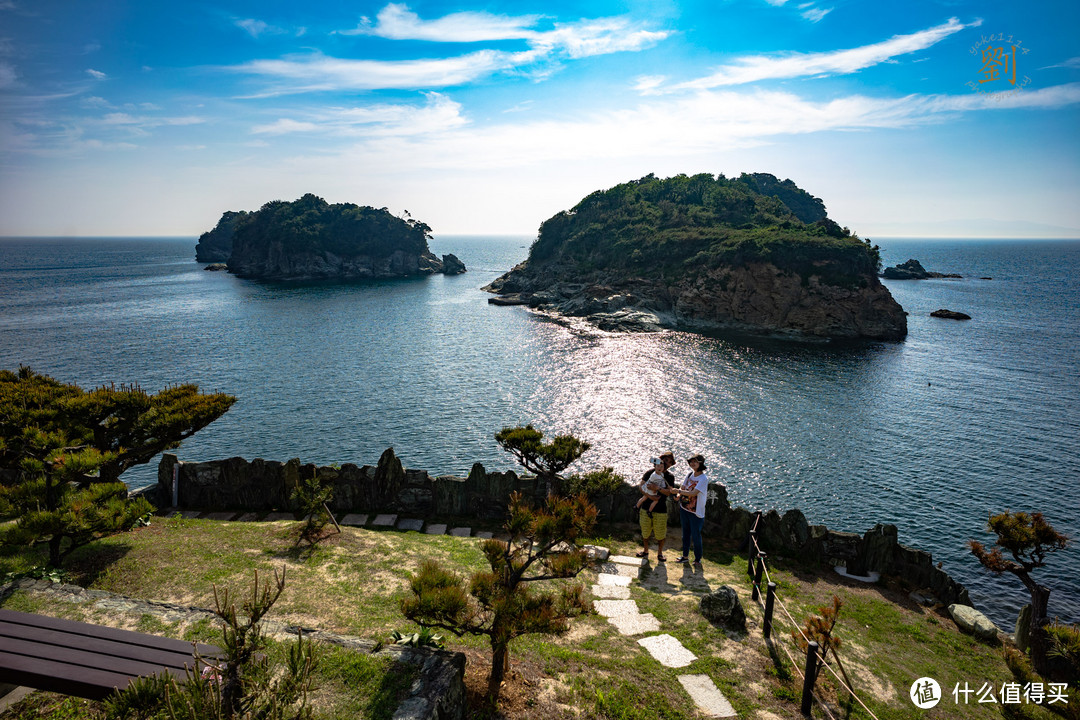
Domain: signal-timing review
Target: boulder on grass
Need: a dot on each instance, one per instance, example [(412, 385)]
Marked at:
[(722, 607), (973, 622)]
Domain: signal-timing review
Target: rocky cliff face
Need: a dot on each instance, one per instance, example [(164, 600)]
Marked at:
[(215, 246), (756, 298), (274, 262)]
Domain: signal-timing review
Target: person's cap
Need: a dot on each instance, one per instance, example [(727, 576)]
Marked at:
[(656, 461), (698, 458)]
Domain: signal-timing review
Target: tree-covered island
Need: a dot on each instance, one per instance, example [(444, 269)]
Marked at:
[(750, 254), (310, 239)]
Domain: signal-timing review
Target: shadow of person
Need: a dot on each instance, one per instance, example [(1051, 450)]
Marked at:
[(693, 578), (656, 579)]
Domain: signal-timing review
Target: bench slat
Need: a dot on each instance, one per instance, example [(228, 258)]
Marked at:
[(51, 639), (100, 631), (58, 677)]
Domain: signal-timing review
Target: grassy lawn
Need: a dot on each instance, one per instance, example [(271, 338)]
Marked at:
[(352, 583)]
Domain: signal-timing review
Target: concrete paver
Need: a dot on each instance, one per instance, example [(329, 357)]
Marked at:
[(609, 579), (436, 529), (635, 624), (461, 532), (610, 608), (667, 650), (384, 521), (611, 592), (706, 696), (413, 524), (355, 519)]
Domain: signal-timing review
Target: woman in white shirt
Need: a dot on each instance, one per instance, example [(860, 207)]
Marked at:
[(692, 496)]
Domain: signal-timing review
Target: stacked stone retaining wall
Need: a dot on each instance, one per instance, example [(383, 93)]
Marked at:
[(265, 485)]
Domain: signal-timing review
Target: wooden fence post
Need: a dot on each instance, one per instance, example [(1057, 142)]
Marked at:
[(809, 678), (770, 599), (756, 593)]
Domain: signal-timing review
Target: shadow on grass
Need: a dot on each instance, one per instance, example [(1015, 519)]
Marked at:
[(89, 563), (392, 689), (782, 671)]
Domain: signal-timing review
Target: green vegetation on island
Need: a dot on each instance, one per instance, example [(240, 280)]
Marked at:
[(752, 254), (688, 224), (310, 238)]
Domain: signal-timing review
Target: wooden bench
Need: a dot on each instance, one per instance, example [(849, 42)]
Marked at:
[(85, 660)]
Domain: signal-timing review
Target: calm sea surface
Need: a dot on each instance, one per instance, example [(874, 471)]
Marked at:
[(932, 434)]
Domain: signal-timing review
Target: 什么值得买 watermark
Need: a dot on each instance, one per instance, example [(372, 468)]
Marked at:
[(926, 693)]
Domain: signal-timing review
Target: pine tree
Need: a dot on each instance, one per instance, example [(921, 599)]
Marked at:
[(62, 450), (1029, 539), (547, 460), (500, 603)]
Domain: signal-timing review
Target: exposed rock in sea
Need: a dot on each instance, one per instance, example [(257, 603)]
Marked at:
[(704, 253), (215, 267), (950, 315), (451, 265), (309, 239), (913, 270)]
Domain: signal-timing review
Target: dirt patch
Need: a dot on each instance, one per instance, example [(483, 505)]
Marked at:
[(526, 692)]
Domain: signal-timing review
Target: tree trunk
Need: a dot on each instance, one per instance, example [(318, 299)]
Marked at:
[(54, 551), (500, 663), (1040, 644)]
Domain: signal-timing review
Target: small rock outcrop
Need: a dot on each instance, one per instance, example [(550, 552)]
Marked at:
[(950, 314), (722, 607), (913, 270), (451, 265), (973, 622), (216, 267)]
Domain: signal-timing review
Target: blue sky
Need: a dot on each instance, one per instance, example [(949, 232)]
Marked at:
[(139, 118)]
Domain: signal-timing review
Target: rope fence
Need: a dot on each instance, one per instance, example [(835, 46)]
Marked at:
[(757, 570)]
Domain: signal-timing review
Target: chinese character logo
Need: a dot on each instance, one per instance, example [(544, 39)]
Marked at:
[(1000, 57), (925, 693)]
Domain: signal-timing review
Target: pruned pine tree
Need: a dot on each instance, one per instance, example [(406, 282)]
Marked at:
[(62, 449), (501, 603), (1028, 538), (547, 460)]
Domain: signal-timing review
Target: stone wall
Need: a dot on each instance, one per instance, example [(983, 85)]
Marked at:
[(265, 485)]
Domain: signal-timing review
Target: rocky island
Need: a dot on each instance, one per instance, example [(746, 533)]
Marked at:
[(913, 270), (751, 254), (310, 239)]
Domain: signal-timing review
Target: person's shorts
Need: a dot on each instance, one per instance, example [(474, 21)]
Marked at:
[(655, 526)]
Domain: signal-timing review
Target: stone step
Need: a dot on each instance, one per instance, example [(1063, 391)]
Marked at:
[(436, 529), (610, 608), (638, 624), (627, 560), (667, 650), (407, 524), (609, 579), (710, 701), (355, 520), (611, 592), (461, 532), (385, 520)]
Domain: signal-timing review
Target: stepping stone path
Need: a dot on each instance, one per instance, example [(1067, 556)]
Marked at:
[(612, 593)]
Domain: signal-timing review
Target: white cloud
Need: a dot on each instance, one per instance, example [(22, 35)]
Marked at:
[(438, 114), (143, 122), (397, 22), (665, 128), (96, 74), (1072, 63), (318, 72), (815, 14), (256, 28), (755, 68), (8, 76), (598, 37)]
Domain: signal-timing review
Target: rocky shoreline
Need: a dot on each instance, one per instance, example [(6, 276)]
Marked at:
[(756, 298)]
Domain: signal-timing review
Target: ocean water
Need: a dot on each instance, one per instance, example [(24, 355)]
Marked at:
[(932, 434)]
